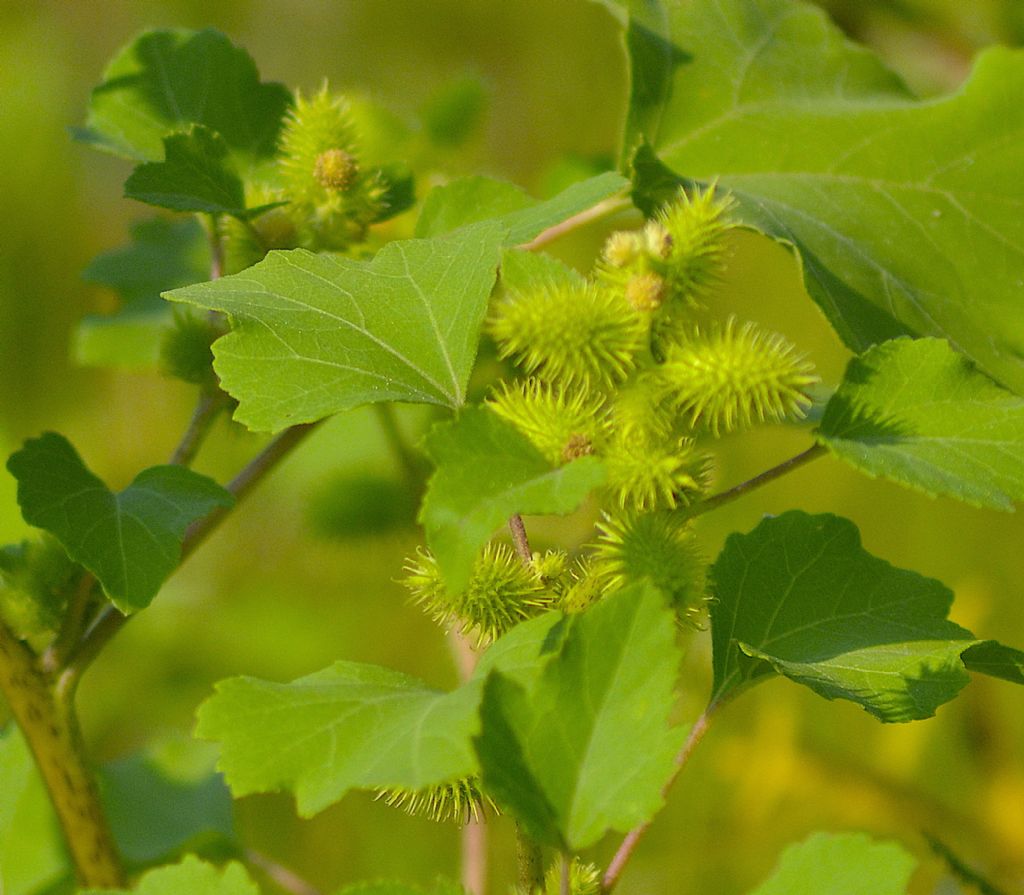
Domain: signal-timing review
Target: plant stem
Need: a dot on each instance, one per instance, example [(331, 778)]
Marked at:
[(530, 860), (216, 248), (596, 212), (210, 404), (629, 844), (474, 856), (72, 626), (407, 460), (287, 879), (47, 720), (110, 621), (519, 538), (769, 475), (566, 875)]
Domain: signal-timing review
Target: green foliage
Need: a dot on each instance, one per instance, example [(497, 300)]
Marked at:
[(552, 750), (34, 580), (131, 541), (840, 864), (785, 596), (800, 126), (486, 471), (191, 875), (316, 334), (920, 414)]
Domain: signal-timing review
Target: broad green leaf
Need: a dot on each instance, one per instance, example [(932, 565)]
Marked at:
[(163, 254), (347, 727), (32, 854), (921, 414), (841, 864), (165, 799), (473, 199), (131, 541), (522, 271), (191, 876), (195, 175), (906, 214), (992, 658), (486, 471), (166, 81), (586, 747), (799, 596), (317, 334)]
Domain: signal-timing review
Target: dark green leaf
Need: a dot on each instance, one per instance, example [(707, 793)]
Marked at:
[(473, 199), (166, 81), (195, 175), (453, 112), (486, 471), (191, 876), (130, 541), (920, 414), (316, 334), (841, 864), (906, 214), (799, 596), (586, 746), (992, 658)]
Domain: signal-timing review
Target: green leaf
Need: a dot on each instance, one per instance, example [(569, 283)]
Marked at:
[(486, 471), (992, 658), (472, 199), (799, 596), (586, 746), (523, 271), (920, 414), (194, 176), (166, 81), (453, 112), (841, 864), (349, 726), (131, 541), (906, 214), (33, 855), (192, 876), (163, 254), (317, 334)]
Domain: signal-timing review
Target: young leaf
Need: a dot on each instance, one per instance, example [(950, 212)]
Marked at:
[(586, 746), (317, 334), (824, 149), (349, 726), (992, 658), (920, 414), (473, 199), (799, 596), (130, 541), (486, 471), (162, 254), (165, 81), (841, 864), (192, 876), (195, 175)]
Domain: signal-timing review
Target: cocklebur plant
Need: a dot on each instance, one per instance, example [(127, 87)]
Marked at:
[(615, 390)]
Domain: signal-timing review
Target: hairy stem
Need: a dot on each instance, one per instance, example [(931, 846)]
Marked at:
[(633, 837), (594, 213), (46, 716), (764, 478), (529, 860), (110, 621)]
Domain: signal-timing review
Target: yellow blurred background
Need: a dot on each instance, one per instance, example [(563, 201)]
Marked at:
[(273, 595)]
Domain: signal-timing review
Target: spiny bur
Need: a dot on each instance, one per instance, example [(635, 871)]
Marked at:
[(460, 802), (584, 879), (648, 473)]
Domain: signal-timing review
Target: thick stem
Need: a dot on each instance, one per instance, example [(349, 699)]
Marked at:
[(530, 861), (769, 475), (47, 720), (474, 856), (633, 837)]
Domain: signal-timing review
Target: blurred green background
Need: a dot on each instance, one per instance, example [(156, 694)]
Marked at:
[(283, 589)]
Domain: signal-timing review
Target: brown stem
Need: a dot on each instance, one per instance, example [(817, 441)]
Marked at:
[(519, 538), (110, 621), (474, 856), (529, 860), (633, 837), (769, 475), (47, 720), (287, 879), (595, 212)]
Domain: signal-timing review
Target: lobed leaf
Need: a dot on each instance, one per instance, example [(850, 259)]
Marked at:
[(193, 876), (841, 864), (486, 471), (906, 214), (131, 541), (920, 414), (316, 334), (799, 596), (586, 745), (166, 81)]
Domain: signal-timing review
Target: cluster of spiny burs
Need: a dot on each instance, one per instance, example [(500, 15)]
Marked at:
[(631, 366)]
